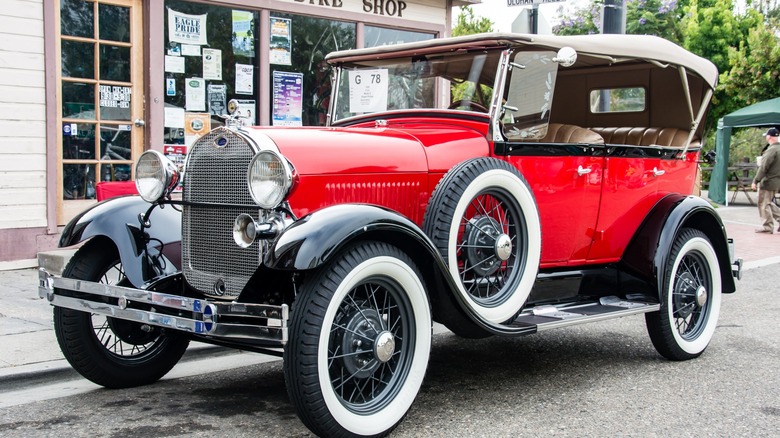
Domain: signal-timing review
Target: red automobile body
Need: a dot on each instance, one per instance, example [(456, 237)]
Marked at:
[(586, 219)]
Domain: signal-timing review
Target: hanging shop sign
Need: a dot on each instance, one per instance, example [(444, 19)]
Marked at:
[(186, 29), (287, 99)]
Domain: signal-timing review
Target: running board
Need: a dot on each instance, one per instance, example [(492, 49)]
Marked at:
[(545, 317)]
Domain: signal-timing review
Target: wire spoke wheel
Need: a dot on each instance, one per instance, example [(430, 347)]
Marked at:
[(361, 331), (112, 352), (690, 301)]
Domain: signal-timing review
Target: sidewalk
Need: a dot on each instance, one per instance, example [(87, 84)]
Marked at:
[(28, 346)]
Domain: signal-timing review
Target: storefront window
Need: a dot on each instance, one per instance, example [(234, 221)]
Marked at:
[(382, 36), (96, 95), (210, 58), (300, 77)]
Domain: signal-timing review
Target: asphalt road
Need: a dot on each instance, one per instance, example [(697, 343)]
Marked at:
[(601, 379)]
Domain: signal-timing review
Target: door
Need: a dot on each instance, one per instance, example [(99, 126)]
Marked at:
[(99, 98)]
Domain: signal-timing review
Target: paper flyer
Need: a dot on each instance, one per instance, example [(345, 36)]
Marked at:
[(187, 29), (195, 90), (195, 125), (174, 64), (244, 79), (246, 110), (281, 49), (243, 33), (217, 97), (190, 50), (368, 91), (287, 99), (174, 117), (212, 64)]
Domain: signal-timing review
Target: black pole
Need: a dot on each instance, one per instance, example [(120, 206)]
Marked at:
[(614, 17)]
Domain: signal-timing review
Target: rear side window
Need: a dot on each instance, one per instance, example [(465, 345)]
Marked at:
[(617, 100)]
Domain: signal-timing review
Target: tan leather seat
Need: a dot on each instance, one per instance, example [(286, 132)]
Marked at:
[(559, 133), (646, 136)]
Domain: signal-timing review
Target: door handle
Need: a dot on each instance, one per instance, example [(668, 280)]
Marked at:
[(657, 172), (139, 122), (583, 171)]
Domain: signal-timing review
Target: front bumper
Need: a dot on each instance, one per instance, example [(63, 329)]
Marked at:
[(247, 322)]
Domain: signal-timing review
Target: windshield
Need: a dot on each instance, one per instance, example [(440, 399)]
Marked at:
[(368, 87)]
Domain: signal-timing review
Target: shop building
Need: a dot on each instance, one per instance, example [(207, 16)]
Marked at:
[(87, 85)]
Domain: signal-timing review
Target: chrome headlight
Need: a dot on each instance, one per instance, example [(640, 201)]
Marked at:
[(155, 176), (270, 179)]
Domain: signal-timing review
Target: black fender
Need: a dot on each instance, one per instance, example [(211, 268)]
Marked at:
[(648, 252), (118, 220), (314, 239)]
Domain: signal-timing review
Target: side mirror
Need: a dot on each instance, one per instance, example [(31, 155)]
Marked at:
[(566, 57)]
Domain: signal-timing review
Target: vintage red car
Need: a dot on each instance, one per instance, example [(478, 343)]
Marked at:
[(499, 184)]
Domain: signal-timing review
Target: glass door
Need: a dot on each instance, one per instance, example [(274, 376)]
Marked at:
[(100, 98)]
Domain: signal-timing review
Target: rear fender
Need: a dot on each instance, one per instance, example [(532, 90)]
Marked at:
[(648, 252), (145, 253)]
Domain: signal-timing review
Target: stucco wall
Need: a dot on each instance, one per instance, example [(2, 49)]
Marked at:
[(22, 115)]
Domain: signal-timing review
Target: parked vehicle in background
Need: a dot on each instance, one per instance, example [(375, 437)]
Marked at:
[(499, 184)]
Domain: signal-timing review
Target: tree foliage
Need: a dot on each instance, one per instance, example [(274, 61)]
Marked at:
[(469, 24)]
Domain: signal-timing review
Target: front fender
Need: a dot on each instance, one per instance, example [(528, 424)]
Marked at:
[(648, 253), (118, 220), (314, 239)]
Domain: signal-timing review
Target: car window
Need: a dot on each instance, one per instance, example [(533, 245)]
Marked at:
[(617, 100), (412, 82), (528, 102)]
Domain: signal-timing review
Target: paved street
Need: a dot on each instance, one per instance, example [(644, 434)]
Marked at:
[(601, 379)]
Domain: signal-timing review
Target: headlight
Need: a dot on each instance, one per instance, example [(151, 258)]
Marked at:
[(270, 179), (155, 176)]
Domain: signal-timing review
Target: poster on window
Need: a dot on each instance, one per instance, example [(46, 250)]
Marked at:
[(244, 79), (243, 33), (187, 29), (195, 125), (245, 109), (212, 64), (281, 49), (368, 91), (217, 97), (195, 92), (287, 99)]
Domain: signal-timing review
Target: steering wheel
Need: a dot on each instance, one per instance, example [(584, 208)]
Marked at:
[(468, 104)]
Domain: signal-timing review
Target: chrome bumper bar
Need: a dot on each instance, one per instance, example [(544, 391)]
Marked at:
[(205, 318)]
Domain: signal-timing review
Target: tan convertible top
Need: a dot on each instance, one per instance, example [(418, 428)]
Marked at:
[(592, 50)]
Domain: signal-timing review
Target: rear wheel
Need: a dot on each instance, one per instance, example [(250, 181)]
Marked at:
[(111, 352), (690, 299), (361, 336)]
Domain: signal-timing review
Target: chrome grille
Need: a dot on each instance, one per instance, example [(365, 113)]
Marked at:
[(216, 174)]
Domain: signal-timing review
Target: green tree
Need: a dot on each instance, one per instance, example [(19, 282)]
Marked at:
[(655, 17), (754, 75), (469, 24), (582, 20), (711, 28)]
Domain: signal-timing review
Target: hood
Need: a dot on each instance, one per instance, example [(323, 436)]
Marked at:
[(317, 151)]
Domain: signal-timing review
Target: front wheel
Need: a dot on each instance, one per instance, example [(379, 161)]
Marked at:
[(361, 336), (690, 299), (111, 352)]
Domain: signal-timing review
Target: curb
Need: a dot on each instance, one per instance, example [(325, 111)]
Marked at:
[(35, 374)]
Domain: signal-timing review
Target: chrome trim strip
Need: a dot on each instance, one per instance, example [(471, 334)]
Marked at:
[(205, 319)]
